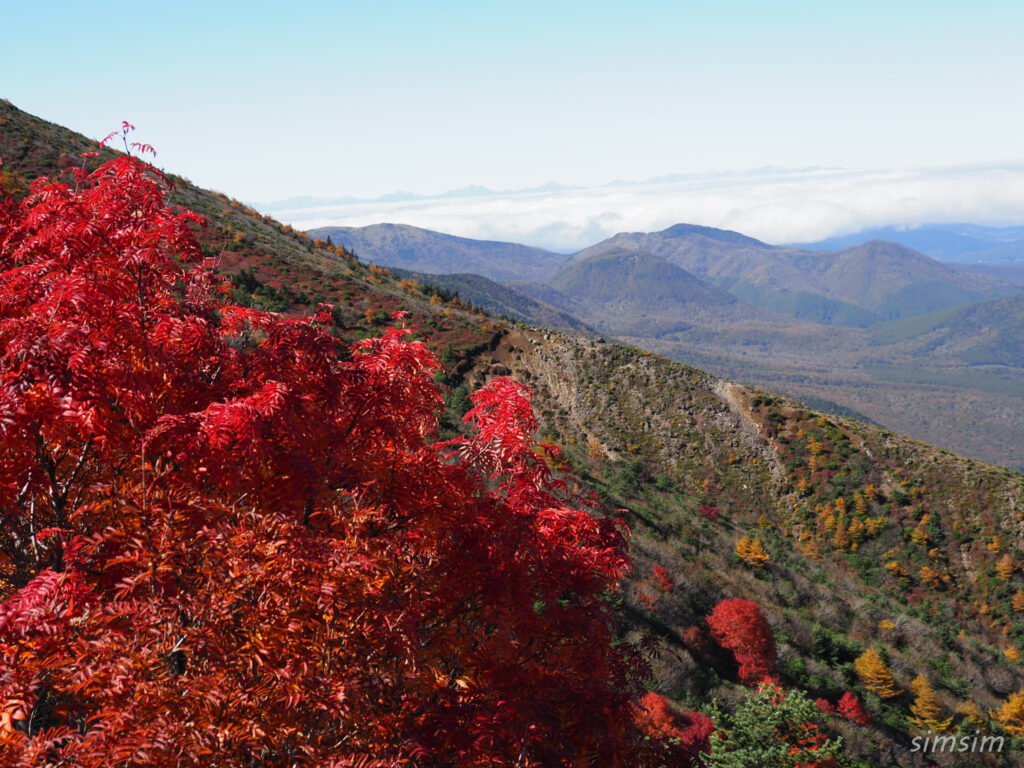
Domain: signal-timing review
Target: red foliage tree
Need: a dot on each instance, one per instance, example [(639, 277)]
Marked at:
[(739, 626), (227, 539), (849, 706), (825, 707), (709, 512), (678, 738), (661, 578)]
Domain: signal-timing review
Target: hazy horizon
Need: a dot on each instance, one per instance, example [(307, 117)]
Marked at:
[(776, 205), (264, 101)]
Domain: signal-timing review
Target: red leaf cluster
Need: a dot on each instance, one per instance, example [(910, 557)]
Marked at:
[(709, 512), (739, 626), (661, 579), (680, 737), (262, 554), (803, 737), (849, 706)]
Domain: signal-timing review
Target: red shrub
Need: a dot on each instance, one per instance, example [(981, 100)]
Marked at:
[(659, 720), (739, 626), (661, 579), (708, 512), (849, 707)]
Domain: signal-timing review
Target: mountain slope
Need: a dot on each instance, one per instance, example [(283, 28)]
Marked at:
[(906, 562), (1010, 274), (903, 564), (627, 292), (895, 281), (500, 299), (989, 333), (421, 250)]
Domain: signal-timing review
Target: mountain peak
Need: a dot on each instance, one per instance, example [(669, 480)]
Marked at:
[(722, 235), (887, 250)]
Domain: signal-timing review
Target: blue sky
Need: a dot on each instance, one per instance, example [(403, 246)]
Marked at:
[(265, 101)]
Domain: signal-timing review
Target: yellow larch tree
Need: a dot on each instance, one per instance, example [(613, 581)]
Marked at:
[(1011, 715), (827, 516), (897, 570), (840, 537), (930, 577), (758, 554), (859, 504), (856, 532), (1005, 568), (752, 552), (743, 548), (926, 709), (875, 676), (1018, 600)]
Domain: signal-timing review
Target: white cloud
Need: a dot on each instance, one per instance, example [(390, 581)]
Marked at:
[(773, 205)]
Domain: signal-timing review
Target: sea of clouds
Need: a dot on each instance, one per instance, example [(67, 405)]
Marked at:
[(774, 205)]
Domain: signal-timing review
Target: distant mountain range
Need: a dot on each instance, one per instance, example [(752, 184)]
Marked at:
[(961, 243), (477, 190), (931, 348), (858, 286)]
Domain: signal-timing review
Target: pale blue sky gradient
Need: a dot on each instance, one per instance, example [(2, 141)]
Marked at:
[(264, 101)]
